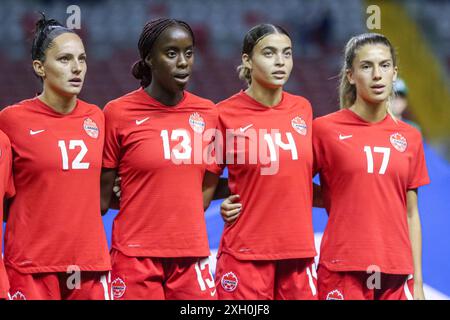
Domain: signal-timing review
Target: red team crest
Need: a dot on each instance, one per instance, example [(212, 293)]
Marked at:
[(118, 288), (91, 128), (229, 282), (299, 125), (18, 296), (399, 142), (196, 122), (335, 295)]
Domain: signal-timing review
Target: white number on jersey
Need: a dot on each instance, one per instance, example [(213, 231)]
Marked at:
[(203, 282), (285, 146), (185, 144), (77, 163), (386, 154)]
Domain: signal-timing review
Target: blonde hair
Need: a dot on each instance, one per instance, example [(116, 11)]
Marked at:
[(347, 91)]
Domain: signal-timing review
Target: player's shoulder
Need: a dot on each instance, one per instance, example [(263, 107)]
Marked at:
[(330, 118), (235, 101), (408, 129), (198, 102), (17, 108), (89, 107), (297, 99), (121, 102), (4, 140)]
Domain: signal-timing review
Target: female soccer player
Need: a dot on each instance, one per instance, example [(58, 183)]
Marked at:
[(7, 191), (55, 245), (154, 141), (370, 166), (268, 252)]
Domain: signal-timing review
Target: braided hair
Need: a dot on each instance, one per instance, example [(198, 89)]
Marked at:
[(150, 33), (44, 34)]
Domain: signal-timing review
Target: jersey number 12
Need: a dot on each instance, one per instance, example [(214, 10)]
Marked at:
[(77, 163)]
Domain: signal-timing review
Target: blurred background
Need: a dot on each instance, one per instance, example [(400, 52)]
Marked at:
[(419, 29)]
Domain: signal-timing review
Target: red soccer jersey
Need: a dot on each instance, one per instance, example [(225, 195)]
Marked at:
[(365, 172), (268, 152), (157, 151), (6, 190), (54, 219)]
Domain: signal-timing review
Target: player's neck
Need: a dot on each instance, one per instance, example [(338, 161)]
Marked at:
[(167, 98), (369, 112), (61, 104), (265, 96)]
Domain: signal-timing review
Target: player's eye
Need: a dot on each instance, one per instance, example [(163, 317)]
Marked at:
[(189, 53), (64, 59), (171, 54), (288, 54), (267, 53)]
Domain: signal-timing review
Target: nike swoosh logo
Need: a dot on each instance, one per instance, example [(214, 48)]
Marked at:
[(139, 122), (246, 127), (35, 132), (341, 137), (213, 293)]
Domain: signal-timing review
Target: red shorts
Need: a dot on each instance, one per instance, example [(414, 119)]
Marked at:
[(88, 285), (290, 279), (360, 285), (149, 278), (4, 283)]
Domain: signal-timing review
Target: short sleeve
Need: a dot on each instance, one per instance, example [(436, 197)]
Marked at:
[(6, 166), (10, 190), (216, 164), (418, 174), (317, 149), (111, 150)]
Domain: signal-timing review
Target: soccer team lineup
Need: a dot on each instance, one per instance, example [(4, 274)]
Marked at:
[(158, 155)]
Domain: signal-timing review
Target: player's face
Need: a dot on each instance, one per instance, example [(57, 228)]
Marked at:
[(65, 66), (373, 73), (271, 61), (172, 58)]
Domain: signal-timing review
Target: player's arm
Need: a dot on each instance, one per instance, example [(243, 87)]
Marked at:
[(317, 196), (415, 235), (107, 200), (5, 209)]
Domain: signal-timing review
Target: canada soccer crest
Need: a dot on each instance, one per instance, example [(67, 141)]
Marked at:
[(229, 282), (335, 295), (399, 142), (197, 123), (18, 296), (118, 288), (299, 125), (91, 128)]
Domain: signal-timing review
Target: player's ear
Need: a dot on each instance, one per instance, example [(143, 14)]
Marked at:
[(148, 60), (38, 68), (395, 73), (349, 75), (246, 61)]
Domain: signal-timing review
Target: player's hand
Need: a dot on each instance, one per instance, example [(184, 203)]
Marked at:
[(418, 291), (230, 208), (116, 188)]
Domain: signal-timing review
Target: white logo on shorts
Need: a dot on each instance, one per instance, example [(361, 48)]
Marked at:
[(335, 295), (18, 296)]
